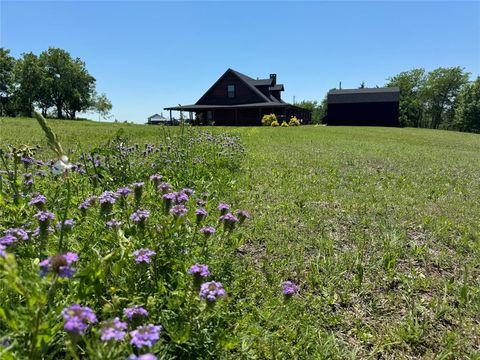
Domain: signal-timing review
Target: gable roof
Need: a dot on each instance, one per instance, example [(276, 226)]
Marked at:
[(386, 94), (252, 85)]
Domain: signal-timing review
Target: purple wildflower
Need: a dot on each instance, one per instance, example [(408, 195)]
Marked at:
[(77, 318), (142, 357), (67, 224), (199, 269), (207, 230), (201, 202), (229, 221), (289, 288), (146, 335), (181, 197), (44, 216), (223, 208), (19, 233), (165, 187), (134, 313), (242, 215), (107, 199), (3, 253), (124, 191), (201, 214), (187, 191), (178, 210), (212, 290), (60, 264), (83, 207), (7, 239), (156, 178), (143, 256), (113, 330), (38, 201), (114, 223), (140, 216)]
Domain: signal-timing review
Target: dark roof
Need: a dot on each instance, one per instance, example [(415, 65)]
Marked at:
[(387, 94), (278, 87), (195, 107)]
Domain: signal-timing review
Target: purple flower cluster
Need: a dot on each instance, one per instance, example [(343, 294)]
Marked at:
[(140, 216), (200, 213), (212, 290), (60, 264), (67, 224), (155, 179), (223, 208), (242, 215), (38, 201), (87, 203), (144, 256), (7, 239), (165, 187), (229, 220), (3, 253), (124, 191), (178, 210), (44, 216), (207, 230), (142, 357), (289, 288), (134, 313), (113, 330), (137, 190), (146, 335), (13, 235), (200, 270), (107, 197), (114, 223), (77, 318)]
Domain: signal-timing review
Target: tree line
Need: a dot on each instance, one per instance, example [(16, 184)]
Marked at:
[(443, 98), (53, 82)]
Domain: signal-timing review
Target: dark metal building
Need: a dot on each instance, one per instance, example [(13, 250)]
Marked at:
[(364, 107), (237, 99)]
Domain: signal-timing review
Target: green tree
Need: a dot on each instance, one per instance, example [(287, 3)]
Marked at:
[(411, 85), (318, 109), (101, 105), (467, 113), (28, 77), (440, 92), (7, 85), (70, 85)]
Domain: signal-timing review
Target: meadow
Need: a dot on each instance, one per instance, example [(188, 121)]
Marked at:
[(377, 229)]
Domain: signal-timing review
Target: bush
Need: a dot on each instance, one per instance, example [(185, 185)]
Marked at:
[(294, 121), (268, 119), (284, 124), (274, 123)]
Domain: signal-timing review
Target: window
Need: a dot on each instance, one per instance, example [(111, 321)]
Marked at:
[(231, 91)]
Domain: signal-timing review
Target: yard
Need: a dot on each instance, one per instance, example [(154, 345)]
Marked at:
[(379, 228)]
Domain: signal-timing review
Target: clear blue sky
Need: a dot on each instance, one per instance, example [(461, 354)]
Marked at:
[(149, 55)]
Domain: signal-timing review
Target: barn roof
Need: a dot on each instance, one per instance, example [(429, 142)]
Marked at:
[(386, 94)]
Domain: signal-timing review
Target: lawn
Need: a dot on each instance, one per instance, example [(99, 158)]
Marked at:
[(379, 227)]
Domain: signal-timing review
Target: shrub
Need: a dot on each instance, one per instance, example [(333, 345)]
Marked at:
[(294, 121), (274, 123), (268, 119), (284, 124)]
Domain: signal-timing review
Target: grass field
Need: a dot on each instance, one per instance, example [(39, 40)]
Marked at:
[(379, 227)]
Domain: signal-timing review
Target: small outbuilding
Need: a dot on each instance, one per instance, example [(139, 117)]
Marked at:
[(157, 119), (364, 107)]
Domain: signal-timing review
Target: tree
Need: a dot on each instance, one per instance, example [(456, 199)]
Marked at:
[(467, 113), (70, 85), (411, 84), (318, 109), (28, 77), (7, 65), (101, 105), (440, 92), (362, 85)]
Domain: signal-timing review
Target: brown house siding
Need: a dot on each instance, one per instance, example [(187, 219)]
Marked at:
[(217, 95)]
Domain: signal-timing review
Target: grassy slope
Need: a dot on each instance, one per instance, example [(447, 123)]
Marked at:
[(380, 227)]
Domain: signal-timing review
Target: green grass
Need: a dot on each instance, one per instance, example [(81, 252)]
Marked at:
[(379, 227)]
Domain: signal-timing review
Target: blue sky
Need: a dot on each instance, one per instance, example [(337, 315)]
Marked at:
[(149, 55)]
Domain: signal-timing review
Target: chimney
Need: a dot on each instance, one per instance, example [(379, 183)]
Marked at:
[(274, 78)]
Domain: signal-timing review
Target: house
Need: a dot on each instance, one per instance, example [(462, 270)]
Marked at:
[(239, 100), (158, 120), (363, 107)]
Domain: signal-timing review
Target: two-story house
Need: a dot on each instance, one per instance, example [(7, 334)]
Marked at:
[(239, 100)]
